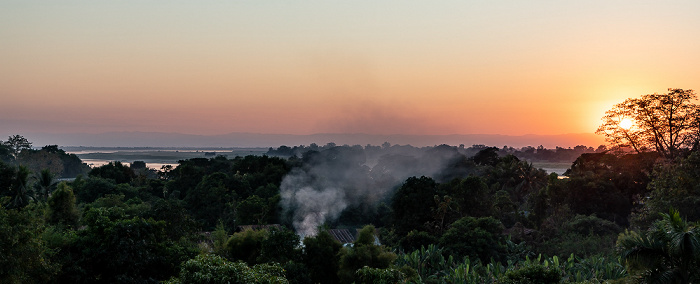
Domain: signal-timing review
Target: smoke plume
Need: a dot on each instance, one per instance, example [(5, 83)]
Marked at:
[(337, 178)]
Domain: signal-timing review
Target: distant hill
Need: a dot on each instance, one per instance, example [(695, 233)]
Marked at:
[(159, 139)]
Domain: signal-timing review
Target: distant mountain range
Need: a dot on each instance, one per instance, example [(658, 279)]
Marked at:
[(159, 139)]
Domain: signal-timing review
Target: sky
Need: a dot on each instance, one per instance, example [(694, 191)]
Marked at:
[(302, 67)]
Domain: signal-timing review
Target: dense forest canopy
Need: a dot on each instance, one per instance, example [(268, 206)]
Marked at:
[(347, 214)]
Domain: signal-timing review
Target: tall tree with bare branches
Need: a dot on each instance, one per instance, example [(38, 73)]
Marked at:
[(665, 123)]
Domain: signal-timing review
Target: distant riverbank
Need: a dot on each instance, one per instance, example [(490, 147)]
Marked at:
[(155, 157)]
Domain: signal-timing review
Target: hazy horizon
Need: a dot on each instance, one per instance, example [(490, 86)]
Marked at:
[(249, 140)]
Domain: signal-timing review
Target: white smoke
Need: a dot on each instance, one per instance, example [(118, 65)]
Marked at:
[(332, 180), (312, 206)]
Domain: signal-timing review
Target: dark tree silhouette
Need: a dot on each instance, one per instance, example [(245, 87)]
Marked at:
[(665, 123)]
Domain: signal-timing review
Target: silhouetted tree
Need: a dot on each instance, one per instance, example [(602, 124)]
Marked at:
[(412, 204), (17, 144), (665, 123)]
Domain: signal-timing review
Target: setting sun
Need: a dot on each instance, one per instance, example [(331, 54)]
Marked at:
[(626, 123)]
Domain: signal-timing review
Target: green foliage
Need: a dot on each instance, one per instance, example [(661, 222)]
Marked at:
[(44, 185), (246, 245), (416, 239), (144, 230), (369, 275), (428, 262), (260, 171), (111, 249), (92, 188), (219, 237), (578, 234), (179, 223), (5, 153), (471, 194), (585, 225), (532, 274), (116, 207), (297, 272), (604, 184), (280, 246), (209, 268), (363, 253), (7, 174), (668, 253), (62, 208), (480, 238), (116, 171), (23, 253), (20, 192), (253, 210), (321, 257), (411, 211), (433, 267), (209, 199), (675, 185)]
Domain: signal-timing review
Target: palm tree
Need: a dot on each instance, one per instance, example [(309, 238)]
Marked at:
[(21, 195), (532, 179), (667, 253), (45, 184)]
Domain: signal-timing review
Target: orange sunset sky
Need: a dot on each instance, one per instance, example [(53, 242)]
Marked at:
[(301, 67)]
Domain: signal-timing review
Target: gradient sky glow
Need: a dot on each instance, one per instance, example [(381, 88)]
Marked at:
[(300, 67)]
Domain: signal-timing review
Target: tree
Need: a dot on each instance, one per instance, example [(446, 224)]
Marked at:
[(210, 199), (472, 195), (23, 253), (17, 144), (665, 123), (112, 249), (252, 210), (674, 185), (668, 253), (411, 204), (92, 188), (246, 245), (5, 153), (363, 253), (321, 257), (281, 245), (209, 268), (62, 209), (45, 184), (379, 275), (475, 238), (115, 171), (7, 175), (21, 194), (487, 156)]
